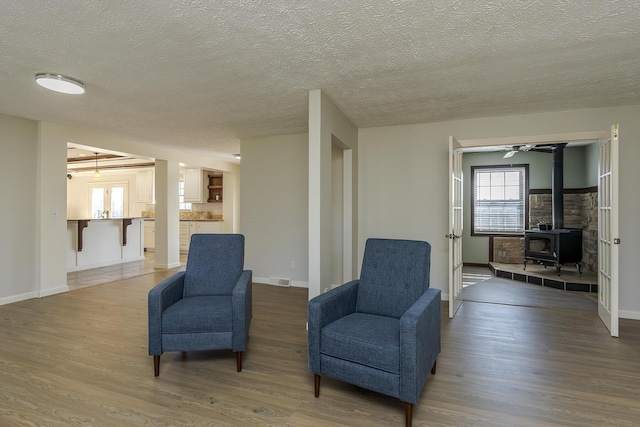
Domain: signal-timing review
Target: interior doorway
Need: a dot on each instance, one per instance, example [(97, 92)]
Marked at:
[(487, 145)]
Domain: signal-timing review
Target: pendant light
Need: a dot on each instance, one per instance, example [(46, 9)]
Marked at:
[(96, 174)]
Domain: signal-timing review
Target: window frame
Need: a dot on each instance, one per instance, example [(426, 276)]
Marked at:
[(182, 205), (524, 166)]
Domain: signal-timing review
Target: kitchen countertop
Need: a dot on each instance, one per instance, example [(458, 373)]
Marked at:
[(104, 219), (209, 219)]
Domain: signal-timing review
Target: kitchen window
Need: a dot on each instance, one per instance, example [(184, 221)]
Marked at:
[(186, 206), (499, 199)]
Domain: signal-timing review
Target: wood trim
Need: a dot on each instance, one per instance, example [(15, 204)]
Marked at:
[(475, 264), (82, 224), (566, 190), (125, 223)]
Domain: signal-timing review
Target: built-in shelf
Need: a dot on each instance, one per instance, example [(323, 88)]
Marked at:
[(215, 189)]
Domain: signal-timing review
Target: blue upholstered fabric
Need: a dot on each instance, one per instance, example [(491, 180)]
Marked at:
[(194, 315), (218, 259), (365, 339), (208, 306), (381, 332), (394, 275)]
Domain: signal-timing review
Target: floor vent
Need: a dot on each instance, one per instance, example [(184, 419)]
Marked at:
[(279, 281)]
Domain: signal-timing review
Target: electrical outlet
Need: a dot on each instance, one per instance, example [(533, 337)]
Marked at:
[(254, 213), (293, 265)]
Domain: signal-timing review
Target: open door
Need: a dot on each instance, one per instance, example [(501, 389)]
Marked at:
[(608, 237), (455, 225)]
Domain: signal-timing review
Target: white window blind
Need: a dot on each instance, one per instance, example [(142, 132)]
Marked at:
[(499, 200)]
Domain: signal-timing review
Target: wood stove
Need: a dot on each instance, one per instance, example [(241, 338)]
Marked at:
[(553, 247), (558, 245)]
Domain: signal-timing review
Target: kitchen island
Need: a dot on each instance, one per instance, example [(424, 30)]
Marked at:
[(95, 243)]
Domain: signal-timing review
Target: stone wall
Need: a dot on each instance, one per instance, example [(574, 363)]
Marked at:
[(508, 250), (580, 211)]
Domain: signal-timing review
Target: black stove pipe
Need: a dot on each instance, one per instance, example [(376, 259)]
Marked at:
[(557, 186)]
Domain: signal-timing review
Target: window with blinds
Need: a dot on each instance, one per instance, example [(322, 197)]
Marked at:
[(500, 196)]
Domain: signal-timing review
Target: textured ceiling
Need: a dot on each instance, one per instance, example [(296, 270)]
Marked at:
[(199, 75)]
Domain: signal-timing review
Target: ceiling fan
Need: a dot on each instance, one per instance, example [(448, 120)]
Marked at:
[(513, 150)]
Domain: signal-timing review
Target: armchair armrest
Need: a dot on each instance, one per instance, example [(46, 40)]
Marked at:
[(162, 296), (324, 309), (242, 310), (419, 344)]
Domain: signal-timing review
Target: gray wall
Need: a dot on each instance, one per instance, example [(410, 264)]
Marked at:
[(404, 178), (19, 191), (274, 206)]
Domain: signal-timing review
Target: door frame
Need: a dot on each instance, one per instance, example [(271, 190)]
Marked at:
[(468, 145)]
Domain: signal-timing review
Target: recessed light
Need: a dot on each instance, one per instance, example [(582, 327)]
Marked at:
[(60, 83)]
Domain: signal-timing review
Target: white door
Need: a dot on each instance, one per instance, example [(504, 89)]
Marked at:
[(455, 225), (608, 237)]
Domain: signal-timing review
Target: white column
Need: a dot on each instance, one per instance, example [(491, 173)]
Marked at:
[(167, 219)]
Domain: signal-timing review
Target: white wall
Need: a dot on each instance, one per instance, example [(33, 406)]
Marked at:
[(329, 127), (36, 219), (19, 192), (275, 207), (404, 173), (78, 201)]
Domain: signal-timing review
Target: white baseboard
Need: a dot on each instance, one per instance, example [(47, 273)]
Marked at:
[(629, 314), (53, 291), (16, 298), (294, 283), (167, 266)]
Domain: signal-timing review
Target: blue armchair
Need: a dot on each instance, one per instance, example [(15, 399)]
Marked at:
[(207, 306), (381, 332)]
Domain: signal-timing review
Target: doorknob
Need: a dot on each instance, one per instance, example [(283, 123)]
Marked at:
[(452, 236)]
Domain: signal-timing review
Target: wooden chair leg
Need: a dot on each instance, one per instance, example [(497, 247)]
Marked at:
[(408, 409), (156, 365), (433, 368), (316, 383), (239, 360)]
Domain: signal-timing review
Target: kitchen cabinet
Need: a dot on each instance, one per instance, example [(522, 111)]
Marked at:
[(189, 228), (149, 234), (207, 226), (193, 186), (144, 186), (185, 235)]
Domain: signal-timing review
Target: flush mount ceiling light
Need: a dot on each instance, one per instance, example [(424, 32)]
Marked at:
[(96, 174), (60, 83)]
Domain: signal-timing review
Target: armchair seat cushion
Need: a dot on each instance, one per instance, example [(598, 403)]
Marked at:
[(201, 314), (365, 339)]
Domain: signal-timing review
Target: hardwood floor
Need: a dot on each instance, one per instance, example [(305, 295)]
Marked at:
[(101, 275), (80, 358)]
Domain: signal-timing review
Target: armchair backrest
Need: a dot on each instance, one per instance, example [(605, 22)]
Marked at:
[(214, 264), (395, 273)]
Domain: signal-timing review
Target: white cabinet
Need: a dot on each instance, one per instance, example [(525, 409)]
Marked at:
[(144, 186), (189, 228), (149, 234), (208, 227), (193, 186), (185, 235)]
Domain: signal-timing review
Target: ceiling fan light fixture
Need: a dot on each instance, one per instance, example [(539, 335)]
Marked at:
[(60, 83), (509, 154)]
